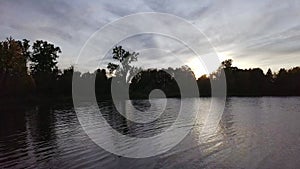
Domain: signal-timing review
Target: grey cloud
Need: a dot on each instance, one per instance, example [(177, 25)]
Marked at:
[(56, 32), (255, 33), (189, 9)]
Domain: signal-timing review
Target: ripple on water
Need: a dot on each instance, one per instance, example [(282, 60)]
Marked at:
[(253, 133)]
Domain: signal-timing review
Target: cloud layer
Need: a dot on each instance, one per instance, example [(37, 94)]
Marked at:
[(258, 33)]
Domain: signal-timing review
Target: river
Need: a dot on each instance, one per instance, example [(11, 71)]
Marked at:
[(262, 132)]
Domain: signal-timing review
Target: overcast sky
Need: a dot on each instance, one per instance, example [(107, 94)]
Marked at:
[(256, 33)]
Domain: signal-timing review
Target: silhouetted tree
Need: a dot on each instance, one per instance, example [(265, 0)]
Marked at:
[(102, 84), (65, 82), (204, 86), (122, 68), (226, 64), (15, 55), (269, 75), (287, 82), (163, 79), (44, 65), (269, 86), (14, 79)]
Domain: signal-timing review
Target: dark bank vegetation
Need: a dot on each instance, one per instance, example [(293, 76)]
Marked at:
[(31, 71)]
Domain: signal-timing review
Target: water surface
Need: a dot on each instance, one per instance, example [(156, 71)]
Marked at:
[(253, 133)]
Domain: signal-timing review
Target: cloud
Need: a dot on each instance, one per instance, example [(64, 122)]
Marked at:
[(254, 33)]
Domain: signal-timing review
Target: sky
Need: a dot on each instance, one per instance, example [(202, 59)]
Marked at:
[(256, 33)]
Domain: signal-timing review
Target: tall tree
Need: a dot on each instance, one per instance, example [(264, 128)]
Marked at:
[(44, 58), (13, 56), (122, 68), (226, 64), (44, 65), (13, 67)]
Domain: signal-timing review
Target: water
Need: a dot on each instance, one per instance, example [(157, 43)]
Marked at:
[(253, 133)]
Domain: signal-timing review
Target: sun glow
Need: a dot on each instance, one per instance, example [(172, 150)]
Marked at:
[(223, 56), (197, 67)]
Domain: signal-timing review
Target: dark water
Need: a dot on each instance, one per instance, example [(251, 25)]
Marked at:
[(253, 133)]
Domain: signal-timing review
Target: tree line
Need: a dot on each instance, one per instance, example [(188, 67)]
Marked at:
[(27, 70), (253, 82)]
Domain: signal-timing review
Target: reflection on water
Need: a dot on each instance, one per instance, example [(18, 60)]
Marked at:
[(253, 133)]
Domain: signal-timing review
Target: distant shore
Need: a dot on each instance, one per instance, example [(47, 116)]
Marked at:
[(34, 100)]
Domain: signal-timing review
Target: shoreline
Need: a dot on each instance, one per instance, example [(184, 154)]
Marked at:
[(33, 100)]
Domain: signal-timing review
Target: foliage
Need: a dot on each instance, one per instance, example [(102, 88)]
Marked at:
[(123, 68), (43, 65), (44, 58), (17, 80), (14, 79)]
